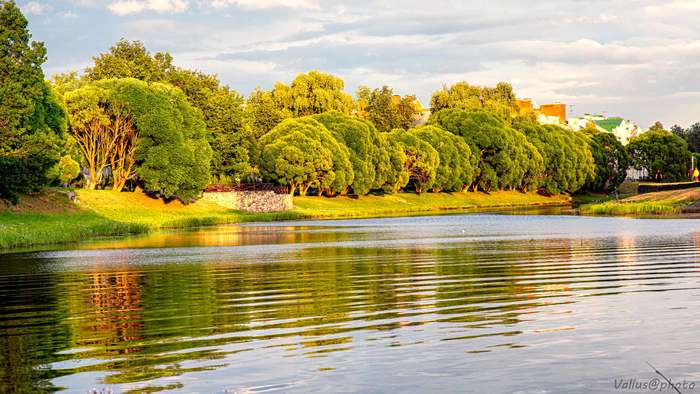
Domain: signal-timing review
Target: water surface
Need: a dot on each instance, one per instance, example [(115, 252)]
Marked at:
[(465, 303)]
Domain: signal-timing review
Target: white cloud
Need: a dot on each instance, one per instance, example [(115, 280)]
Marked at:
[(36, 8), (128, 7), (262, 4)]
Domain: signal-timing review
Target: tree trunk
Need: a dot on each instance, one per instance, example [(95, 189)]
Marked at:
[(92, 182)]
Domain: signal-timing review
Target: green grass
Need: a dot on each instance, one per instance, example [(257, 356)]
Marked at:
[(411, 203), (27, 229), (49, 218), (633, 208)]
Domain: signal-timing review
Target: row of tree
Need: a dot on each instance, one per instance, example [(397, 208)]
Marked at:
[(134, 118)]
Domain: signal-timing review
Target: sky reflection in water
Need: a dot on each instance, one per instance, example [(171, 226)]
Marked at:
[(471, 303)]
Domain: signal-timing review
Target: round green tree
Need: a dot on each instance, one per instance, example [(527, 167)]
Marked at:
[(455, 172), (357, 137), (336, 180), (172, 154), (663, 155)]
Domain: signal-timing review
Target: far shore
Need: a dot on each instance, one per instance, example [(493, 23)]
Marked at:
[(671, 203), (50, 218)]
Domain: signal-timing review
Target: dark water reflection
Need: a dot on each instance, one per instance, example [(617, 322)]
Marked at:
[(468, 303)]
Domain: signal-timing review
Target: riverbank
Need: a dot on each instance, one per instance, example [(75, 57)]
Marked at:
[(672, 202), (411, 203), (50, 218)]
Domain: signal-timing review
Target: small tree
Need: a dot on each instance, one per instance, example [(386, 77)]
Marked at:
[(294, 154), (66, 170), (298, 161)]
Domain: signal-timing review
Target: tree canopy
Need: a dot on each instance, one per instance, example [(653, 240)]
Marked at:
[(421, 159), (385, 110), (303, 154), (130, 59), (167, 147), (611, 161), (503, 157), (499, 100), (313, 93), (358, 138), (32, 120), (662, 154), (454, 171), (567, 160), (228, 133)]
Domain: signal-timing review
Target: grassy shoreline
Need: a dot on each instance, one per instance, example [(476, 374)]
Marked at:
[(50, 218), (664, 203)]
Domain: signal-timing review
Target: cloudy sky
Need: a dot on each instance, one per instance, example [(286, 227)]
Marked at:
[(639, 59)]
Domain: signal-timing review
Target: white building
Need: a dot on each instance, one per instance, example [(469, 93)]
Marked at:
[(623, 129)]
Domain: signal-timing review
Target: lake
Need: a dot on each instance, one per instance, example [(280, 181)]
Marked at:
[(479, 303)]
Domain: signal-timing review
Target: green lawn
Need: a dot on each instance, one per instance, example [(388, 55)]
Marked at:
[(669, 202), (26, 229), (49, 218), (633, 208), (408, 203)]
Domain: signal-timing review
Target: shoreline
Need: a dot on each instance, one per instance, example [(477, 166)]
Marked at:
[(683, 203), (50, 219)]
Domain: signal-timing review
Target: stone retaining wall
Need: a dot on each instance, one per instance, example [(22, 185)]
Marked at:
[(257, 201)]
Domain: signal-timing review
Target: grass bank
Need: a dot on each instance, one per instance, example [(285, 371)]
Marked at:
[(411, 203), (672, 202), (50, 218)]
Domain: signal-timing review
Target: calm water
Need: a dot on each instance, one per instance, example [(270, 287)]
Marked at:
[(467, 303)]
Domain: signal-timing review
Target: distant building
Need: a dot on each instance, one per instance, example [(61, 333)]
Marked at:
[(551, 111), (554, 114), (422, 113), (623, 129)]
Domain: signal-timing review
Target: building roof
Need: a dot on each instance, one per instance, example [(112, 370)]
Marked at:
[(608, 124)]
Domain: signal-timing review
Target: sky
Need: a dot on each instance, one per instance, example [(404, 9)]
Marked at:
[(639, 59)]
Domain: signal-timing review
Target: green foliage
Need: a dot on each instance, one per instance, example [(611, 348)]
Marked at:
[(66, 170), (657, 126), (230, 137), (421, 161), (392, 170), (127, 59), (499, 100), (32, 120), (303, 153), (19, 175), (691, 135), (173, 154), (312, 93), (664, 155), (611, 161), (263, 113), (455, 172), (567, 160), (503, 157), (384, 110), (358, 138)]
